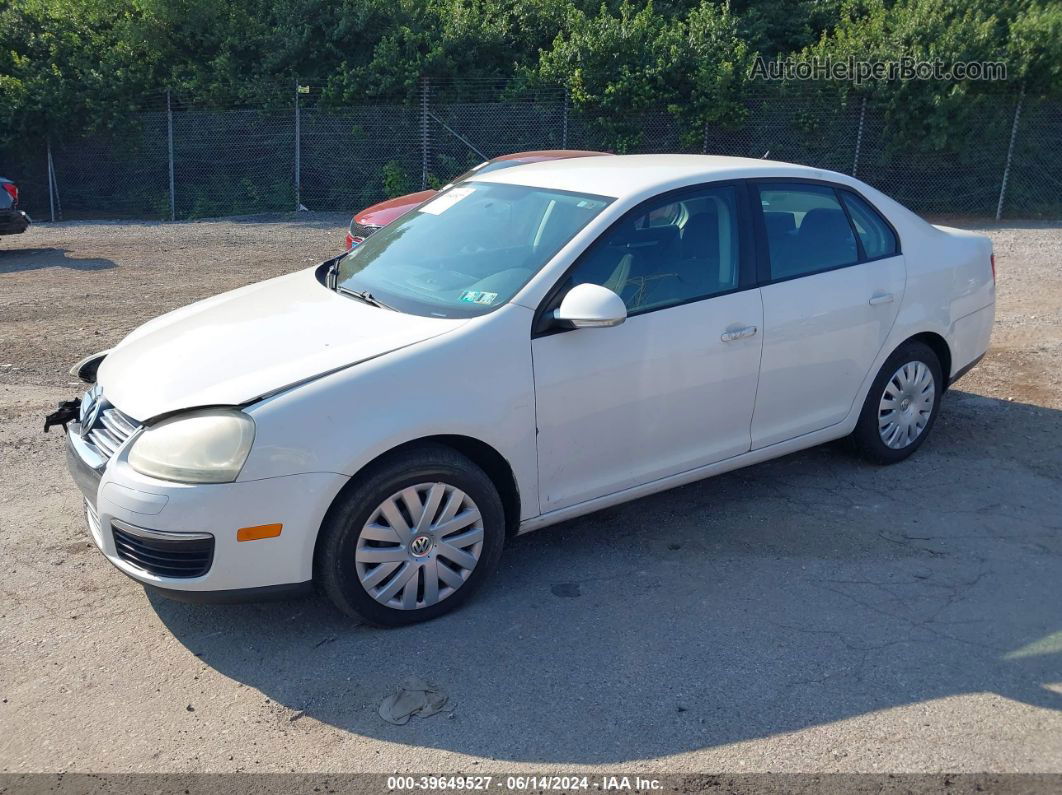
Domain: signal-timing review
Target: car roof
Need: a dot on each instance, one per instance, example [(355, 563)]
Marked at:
[(628, 175), (536, 155)]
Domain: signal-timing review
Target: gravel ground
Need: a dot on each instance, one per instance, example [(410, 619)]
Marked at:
[(807, 614)]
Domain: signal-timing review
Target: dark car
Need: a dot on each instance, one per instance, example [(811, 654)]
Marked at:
[(12, 220)]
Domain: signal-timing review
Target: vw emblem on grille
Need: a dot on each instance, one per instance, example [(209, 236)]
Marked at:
[(420, 545)]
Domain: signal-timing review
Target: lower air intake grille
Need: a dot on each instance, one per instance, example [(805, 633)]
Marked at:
[(164, 555)]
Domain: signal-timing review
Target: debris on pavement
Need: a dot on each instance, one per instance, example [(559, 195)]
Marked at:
[(413, 697)]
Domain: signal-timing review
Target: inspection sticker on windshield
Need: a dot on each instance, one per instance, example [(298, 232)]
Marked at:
[(477, 297), (443, 203)]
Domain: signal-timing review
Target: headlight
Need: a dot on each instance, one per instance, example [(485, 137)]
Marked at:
[(204, 446)]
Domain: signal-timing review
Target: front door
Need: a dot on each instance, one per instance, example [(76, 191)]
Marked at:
[(671, 389)]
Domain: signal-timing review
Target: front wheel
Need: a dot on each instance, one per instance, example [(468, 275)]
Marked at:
[(901, 406), (412, 538)]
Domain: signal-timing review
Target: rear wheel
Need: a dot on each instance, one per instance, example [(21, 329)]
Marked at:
[(412, 538), (901, 406)]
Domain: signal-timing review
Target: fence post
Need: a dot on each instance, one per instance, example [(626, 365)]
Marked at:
[(53, 185), (51, 194), (1010, 153), (859, 136), (564, 133), (169, 141), (425, 87), (298, 150)]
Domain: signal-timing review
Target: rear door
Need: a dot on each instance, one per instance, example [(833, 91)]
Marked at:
[(832, 279)]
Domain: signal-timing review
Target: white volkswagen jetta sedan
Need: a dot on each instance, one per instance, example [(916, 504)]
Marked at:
[(529, 346)]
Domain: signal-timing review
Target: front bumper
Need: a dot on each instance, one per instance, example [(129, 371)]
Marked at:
[(159, 513), (13, 222)]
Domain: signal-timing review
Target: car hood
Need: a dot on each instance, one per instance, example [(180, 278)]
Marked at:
[(254, 341), (383, 213)]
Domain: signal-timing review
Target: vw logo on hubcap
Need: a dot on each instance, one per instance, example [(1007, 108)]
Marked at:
[(421, 545)]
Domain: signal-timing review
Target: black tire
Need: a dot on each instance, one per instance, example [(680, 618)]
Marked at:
[(334, 566), (866, 437)]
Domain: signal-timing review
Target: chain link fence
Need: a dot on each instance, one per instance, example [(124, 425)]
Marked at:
[(188, 162)]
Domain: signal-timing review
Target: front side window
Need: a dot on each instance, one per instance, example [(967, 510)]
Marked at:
[(807, 229), (668, 252), (877, 237), (468, 250)]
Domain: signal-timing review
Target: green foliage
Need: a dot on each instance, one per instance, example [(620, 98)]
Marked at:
[(617, 63), (75, 66), (219, 194), (1034, 47), (396, 181), (775, 28), (931, 114)]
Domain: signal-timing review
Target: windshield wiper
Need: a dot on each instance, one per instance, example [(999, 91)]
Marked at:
[(365, 296)]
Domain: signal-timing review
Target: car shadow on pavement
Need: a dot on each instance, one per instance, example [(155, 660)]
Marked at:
[(802, 591), (27, 259)]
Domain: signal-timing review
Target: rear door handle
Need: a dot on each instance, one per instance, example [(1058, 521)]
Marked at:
[(738, 334), (881, 298)]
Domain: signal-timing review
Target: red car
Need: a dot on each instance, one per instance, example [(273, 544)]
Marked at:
[(372, 218)]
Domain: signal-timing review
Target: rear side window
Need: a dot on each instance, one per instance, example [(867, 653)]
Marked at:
[(807, 229), (876, 236)]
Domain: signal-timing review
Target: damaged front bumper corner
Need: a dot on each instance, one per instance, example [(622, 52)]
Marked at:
[(66, 412)]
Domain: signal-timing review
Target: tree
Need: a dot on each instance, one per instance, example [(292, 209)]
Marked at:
[(622, 62)]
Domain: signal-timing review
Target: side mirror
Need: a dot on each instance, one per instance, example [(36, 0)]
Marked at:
[(591, 306)]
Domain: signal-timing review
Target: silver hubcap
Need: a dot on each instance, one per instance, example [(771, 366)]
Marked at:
[(906, 405), (419, 546)]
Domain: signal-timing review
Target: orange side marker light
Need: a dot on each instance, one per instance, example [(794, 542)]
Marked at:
[(259, 532)]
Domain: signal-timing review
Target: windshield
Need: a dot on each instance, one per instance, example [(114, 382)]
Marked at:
[(468, 250)]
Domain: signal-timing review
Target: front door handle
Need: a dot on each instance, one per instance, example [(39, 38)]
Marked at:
[(881, 298), (738, 334)]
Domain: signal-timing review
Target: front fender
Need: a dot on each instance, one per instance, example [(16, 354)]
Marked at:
[(476, 382)]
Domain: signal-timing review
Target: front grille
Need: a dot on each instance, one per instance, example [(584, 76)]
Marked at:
[(164, 554), (109, 429), (361, 231)]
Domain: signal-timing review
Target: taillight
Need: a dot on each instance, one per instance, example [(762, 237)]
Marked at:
[(12, 188), (350, 242), (993, 258)]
